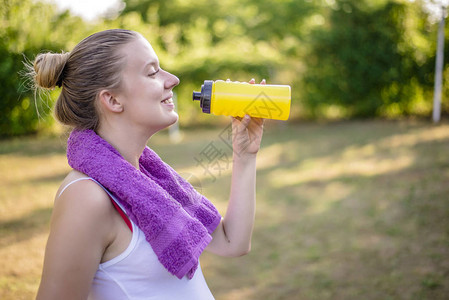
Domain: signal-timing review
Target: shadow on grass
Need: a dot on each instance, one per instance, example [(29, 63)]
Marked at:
[(357, 246), (379, 235), (54, 178), (341, 233), (33, 146), (24, 228)]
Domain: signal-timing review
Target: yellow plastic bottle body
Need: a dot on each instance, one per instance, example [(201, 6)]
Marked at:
[(257, 100)]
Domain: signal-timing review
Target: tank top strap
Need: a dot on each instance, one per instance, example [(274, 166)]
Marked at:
[(117, 205), (72, 182), (114, 201)]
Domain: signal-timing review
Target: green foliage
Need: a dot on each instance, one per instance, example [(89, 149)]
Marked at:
[(368, 60), (14, 111), (27, 28), (343, 58), (198, 40)]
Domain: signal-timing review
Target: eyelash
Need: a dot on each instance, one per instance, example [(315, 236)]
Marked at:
[(152, 74)]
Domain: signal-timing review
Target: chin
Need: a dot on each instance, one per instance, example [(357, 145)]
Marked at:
[(165, 123), (173, 119)]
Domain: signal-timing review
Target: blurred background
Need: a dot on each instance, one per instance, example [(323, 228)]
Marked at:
[(344, 59), (352, 191)]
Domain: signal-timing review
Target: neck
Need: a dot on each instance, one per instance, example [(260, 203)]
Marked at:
[(129, 144)]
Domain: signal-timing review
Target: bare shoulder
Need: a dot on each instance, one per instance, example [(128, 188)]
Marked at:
[(77, 185), (84, 198), (80, 231), (71, 177)]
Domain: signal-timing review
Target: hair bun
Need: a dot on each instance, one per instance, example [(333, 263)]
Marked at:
[(48, 69)]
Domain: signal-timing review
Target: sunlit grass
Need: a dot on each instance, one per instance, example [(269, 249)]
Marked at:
[(353, 210)]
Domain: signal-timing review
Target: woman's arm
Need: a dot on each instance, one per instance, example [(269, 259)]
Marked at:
[(79, 233), (233, 235)]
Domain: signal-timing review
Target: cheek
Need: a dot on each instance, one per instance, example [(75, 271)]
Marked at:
[(150, 90), (144, 90)]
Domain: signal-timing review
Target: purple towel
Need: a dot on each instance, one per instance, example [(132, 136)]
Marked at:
[(176, 219)]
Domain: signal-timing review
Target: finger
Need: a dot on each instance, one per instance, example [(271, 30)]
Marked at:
[(241, 123), (259, 121), (245, 121), (252, 81), (256, 126)]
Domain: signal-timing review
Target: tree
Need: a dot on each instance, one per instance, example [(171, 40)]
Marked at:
[(367, 61), (27, 28), (234, 39), (437, 10)]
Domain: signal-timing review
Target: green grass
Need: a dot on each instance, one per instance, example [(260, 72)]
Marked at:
[(351, 210)]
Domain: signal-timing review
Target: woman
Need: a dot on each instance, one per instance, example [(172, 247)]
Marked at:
[(115, 230)]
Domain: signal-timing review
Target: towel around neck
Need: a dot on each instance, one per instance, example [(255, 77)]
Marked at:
[(177, 221)]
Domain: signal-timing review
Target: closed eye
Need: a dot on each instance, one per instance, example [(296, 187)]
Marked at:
[(152, 74)]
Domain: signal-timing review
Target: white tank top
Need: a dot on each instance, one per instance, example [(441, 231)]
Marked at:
[(137, 274)]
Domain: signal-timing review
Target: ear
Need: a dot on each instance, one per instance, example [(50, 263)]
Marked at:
[(109, 101)]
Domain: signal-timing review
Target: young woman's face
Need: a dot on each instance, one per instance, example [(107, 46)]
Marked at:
[(146, 89)]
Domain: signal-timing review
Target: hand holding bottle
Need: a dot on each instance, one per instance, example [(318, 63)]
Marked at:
[(247, 133)]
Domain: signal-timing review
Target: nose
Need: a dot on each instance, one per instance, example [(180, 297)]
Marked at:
[(171, 81)]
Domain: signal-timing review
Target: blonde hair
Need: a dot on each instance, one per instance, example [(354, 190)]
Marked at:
[(93, 65)]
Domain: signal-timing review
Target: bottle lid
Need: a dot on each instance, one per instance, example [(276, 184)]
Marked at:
[(204, 96)]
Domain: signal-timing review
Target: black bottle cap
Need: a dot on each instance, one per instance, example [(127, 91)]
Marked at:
[(205, 96), (196, 95)]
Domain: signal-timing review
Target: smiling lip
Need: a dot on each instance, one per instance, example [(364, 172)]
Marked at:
[(168, 101)]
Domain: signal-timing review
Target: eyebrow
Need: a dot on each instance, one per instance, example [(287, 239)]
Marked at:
[(152, 63)]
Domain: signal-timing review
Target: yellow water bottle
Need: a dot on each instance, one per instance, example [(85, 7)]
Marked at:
[(239, 98)]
